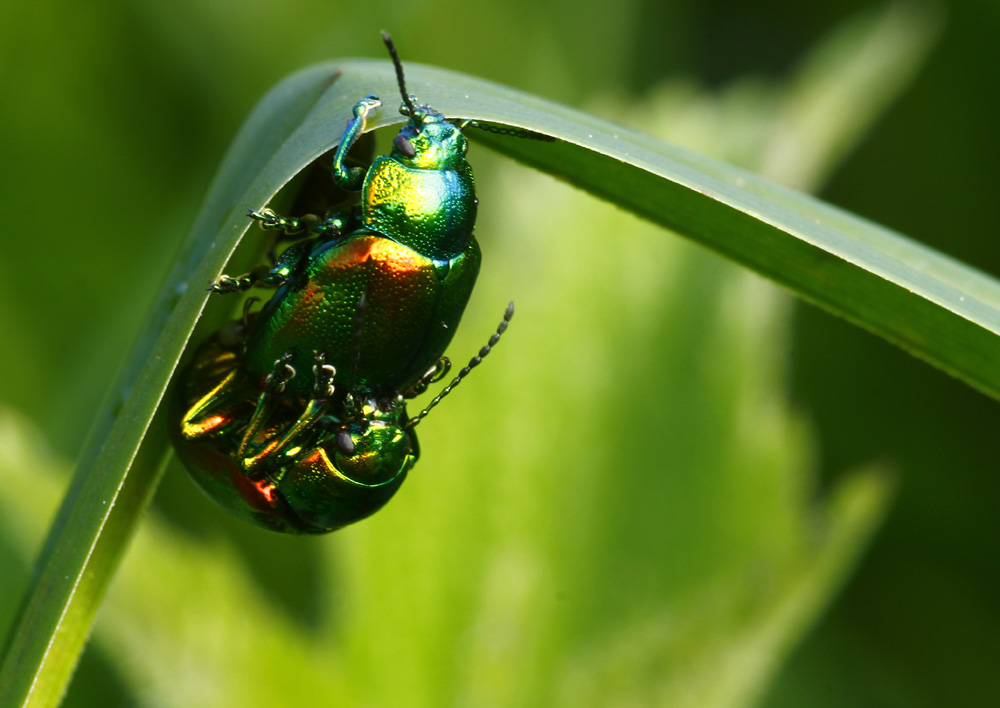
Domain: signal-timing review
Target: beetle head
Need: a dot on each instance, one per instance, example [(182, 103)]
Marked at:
[(427, 141)]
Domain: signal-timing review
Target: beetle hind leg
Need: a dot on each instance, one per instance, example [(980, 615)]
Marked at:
[(256, 464), (207, 415), (274, 386)]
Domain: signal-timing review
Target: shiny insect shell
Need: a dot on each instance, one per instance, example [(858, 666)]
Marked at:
[(248, 448), (368, 302)]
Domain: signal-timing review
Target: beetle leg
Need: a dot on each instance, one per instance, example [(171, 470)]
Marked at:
[(322, 392), (332, 225), (336, 223), (226, 284), (437, 372), (286, 264), (203, 417), (262, 275), (351, 178), (289, 225), (274, 385)]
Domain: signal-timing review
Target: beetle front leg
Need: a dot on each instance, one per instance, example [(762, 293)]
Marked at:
[(334, 224), (351, 178)]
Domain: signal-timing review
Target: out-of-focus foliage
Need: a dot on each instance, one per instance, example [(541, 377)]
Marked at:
[(514, 552)]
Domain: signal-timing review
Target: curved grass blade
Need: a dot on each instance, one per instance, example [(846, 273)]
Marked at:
[(939, 309), (120, 464), (924, 301), (935, 307)]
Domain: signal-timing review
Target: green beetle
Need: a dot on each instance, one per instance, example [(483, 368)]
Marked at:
[(409, 250), (368, 303), (273, 471), (271, 461)]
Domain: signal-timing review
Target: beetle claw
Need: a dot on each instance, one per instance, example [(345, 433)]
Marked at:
[(224, 285)]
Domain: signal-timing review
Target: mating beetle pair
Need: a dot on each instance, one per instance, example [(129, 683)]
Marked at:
[(294, 418)]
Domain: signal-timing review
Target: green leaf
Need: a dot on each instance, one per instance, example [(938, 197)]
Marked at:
[(931, 305)]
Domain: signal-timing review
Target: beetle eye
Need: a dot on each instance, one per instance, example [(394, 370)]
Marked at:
[(403, 144), (344, 442)]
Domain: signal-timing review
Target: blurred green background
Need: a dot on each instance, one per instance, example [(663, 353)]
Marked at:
[(637, 501)]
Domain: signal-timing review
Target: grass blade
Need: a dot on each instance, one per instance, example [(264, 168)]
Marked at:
[(120, 464)]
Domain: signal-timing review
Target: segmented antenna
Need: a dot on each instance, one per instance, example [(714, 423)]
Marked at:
[(508, 130), (407, 101), (473, 363)]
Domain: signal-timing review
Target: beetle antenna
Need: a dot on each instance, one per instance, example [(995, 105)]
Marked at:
[(407, 101), (507, 130), (473, 363)]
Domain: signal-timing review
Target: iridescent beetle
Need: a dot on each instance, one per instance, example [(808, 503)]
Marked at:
[(367, 304), (289, 465), (408, 250)]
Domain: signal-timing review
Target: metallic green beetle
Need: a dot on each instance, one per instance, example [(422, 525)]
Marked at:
[(273, 471), (412, 256), (262, 455), (369, 302)]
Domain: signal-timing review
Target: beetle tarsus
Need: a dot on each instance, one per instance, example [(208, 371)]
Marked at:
[(323, 374), (283, 373)]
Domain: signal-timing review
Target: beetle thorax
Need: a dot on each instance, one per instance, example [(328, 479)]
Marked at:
[(433, 211)]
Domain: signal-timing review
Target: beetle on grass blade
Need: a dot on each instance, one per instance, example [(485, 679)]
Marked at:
[(294, 417)]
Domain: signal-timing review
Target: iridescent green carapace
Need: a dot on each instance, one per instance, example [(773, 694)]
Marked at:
[(407, 251), (294, 417), (275, 472), (290, 467)]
